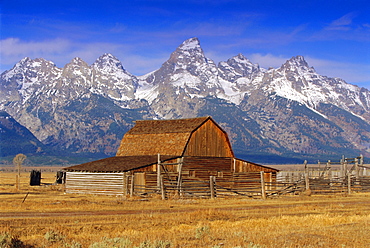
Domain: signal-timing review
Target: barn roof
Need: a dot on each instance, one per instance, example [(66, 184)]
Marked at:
[(167, 126), (167, 137), (119, 163)]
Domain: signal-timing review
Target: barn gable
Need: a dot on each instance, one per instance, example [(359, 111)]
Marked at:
[(182, 137)]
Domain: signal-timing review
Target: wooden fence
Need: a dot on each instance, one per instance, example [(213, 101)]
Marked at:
[(328, 179), (248, 185)]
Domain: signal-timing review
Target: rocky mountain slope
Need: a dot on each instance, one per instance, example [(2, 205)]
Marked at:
[(15, 138), (290, 111)]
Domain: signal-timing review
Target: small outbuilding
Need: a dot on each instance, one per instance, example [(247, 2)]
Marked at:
[(163, 152)]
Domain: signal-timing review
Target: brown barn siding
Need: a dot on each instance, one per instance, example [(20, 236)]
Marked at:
[(210, 141), (245, 166), (204, 167), (209, 166), (94, 183), (147, 168), (207, 163)]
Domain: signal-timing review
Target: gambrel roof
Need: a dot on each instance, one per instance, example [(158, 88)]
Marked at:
[(167, 126), (165, 137)]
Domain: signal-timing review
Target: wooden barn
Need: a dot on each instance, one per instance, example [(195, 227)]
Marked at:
[(182, 137), (163, 153)]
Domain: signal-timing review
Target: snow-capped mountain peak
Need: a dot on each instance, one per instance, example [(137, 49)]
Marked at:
[(297, 64), (240, 58), (189, 52), (108, 63), (190, 44), (237, 67)]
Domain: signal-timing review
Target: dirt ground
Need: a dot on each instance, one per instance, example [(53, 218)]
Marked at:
[(44, 216)]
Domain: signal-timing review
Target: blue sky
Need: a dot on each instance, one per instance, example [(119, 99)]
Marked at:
[(333, 36)]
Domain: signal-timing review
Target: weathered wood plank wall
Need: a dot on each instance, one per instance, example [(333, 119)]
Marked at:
[(95, 183), (209, 140)]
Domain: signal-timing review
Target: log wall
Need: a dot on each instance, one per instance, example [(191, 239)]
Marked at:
[(95, 183)]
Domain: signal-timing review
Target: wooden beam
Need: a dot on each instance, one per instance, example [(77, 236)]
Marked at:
[(179, 178), (263, 191), (159, 171), (163, 190), (212, 186)]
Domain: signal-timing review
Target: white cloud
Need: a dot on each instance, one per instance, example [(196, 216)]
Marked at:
[(14, 47), (343, 23), (350, 72), (13, 50), (139, 65), (267, 60), (62, 51)]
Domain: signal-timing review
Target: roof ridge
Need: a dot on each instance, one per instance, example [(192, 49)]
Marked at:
[(181, 119), (187, 125)]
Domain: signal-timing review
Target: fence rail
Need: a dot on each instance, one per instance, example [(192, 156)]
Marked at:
[(253, 187), (248, 185), (348, 176)]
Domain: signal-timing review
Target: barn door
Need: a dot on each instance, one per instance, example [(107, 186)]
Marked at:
[(139, 181)]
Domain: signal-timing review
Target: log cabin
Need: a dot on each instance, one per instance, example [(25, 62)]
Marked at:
[(173, 150)]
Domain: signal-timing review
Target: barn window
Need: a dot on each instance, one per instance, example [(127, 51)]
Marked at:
[(220, 174), (191, 173)]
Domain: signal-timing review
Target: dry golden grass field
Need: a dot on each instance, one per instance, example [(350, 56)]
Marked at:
[(47, 217)]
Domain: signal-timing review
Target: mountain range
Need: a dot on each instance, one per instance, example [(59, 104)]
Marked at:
[(273, 115)]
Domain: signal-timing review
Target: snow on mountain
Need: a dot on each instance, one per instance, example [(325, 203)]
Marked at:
[(63, 105), (112, 80), (189, 69), (296, 81), (238, 77)]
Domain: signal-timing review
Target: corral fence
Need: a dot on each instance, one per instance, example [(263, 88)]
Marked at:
[(346, 176), (252, 185)]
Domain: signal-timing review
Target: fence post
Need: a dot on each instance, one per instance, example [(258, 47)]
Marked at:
[(212, 186), (349, 182), (361, 165), (163, 191), (263, 191), (307, 181), (124, 182), (357, 169), (159, 172), (127, 184), (132, 184), (179, 179)]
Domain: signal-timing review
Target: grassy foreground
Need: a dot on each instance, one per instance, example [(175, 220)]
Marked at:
[(47, 217)]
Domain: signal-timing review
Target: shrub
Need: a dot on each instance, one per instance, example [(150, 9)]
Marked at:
[(74, 244), (114, 243), (10, 241), (200, 232), (156, 244), (53, 237), (253, 245)]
